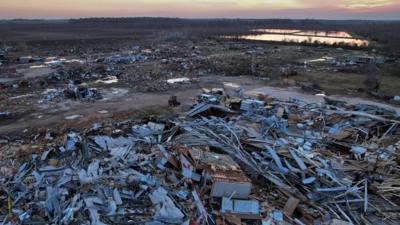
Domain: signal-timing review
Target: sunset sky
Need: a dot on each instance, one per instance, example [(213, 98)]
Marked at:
[(324, 9)]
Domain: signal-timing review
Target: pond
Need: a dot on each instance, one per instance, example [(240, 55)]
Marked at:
[(303, 36)]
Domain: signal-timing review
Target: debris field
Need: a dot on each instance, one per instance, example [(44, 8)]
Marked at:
[(234, 158)]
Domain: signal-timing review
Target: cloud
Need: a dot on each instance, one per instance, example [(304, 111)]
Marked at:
[(350, 4)]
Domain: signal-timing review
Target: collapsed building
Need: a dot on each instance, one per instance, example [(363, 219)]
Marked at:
[(265, 162)]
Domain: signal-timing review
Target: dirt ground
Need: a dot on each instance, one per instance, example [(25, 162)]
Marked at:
[(115, 106)]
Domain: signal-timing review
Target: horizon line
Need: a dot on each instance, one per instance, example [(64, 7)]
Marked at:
[(191, 18)]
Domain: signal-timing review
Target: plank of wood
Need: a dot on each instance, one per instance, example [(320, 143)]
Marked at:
[(291, 205)]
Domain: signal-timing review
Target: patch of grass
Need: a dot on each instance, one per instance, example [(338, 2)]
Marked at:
[(154, 111), (390, 85), (341, 81), (148, 112)]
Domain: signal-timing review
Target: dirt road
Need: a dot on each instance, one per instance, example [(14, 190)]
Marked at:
[(120, 102)]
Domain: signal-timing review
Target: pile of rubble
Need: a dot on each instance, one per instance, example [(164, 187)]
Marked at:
[(124, 59), (71, 91), (4, 114), (228, 161)]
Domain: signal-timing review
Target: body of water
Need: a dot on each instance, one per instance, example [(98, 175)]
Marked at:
[(302, 36)]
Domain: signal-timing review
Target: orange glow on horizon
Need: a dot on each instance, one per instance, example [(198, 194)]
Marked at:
[(340, 9)]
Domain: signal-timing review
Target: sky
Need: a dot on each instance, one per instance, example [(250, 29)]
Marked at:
[(293, 9)]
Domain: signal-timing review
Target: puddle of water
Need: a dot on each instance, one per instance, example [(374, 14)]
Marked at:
[(299, 36), (337, 34)]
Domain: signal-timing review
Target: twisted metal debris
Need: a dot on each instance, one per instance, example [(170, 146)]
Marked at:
[(340, 162)]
